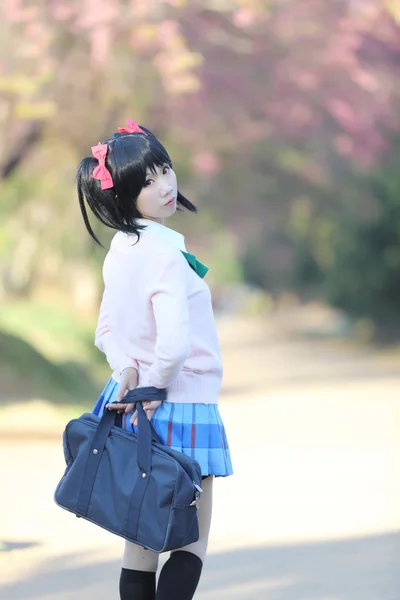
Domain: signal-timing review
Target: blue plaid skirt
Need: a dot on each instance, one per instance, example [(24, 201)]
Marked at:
[(194, 429)]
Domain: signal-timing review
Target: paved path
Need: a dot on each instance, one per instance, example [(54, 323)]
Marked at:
[(312, 512)]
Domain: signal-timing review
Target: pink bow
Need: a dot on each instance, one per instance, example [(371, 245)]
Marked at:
[(101, 172), (131, 128)]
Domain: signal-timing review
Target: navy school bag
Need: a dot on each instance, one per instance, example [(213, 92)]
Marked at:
[(128, 483)]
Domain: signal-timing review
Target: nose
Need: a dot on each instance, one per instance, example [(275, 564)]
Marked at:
[(166, 189)]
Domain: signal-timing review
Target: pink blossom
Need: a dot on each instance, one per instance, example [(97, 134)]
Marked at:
[(244, 17), (206, 163), (101, 38)]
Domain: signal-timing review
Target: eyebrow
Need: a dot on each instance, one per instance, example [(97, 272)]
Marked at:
[(150, 173)]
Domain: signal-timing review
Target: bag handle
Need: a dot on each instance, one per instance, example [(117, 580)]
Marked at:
[(144, 394), (107, 421), (146, 430), (118, 420)]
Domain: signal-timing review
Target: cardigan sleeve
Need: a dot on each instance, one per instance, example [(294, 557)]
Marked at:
[(169, 298), (105, 340)]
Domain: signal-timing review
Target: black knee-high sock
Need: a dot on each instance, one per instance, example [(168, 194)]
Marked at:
[(137, 585), (179, 576)]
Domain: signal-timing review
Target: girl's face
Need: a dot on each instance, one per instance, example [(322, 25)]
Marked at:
[(157, 198)]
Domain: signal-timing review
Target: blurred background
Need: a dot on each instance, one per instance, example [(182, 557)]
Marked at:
[(282, 118)]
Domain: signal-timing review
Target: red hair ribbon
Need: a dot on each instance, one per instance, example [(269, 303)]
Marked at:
[(132, 127), (101, 172)]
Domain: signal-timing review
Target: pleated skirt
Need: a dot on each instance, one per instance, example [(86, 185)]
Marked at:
[(196, 430)]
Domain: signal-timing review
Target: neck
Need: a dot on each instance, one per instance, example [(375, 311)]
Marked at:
[(155, 219)]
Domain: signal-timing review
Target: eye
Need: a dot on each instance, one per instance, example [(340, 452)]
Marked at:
[(149, 182), (166, 169)]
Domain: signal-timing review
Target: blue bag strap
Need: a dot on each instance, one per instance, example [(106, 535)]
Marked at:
[(93, 460), (154, 434), (146, 429), (145, 393), (118, 423), (145, 432), (100, 439)]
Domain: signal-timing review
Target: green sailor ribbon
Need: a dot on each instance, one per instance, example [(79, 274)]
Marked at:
[(196, 265)]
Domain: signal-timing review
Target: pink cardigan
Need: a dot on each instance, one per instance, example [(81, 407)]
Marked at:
[(156, 315)]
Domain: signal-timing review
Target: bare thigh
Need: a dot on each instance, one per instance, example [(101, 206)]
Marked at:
[(139, 559), (199, 548)]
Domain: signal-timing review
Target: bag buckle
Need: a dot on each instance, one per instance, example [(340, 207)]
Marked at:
[(197, 495)]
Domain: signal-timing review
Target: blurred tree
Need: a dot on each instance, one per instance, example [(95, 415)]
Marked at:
[(285, 101), (243, 69), (364, 274), (69, 70)]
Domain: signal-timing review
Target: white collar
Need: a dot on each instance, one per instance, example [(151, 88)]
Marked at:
[(169, 235)]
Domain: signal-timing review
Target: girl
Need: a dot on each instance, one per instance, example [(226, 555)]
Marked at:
[(156, 328)]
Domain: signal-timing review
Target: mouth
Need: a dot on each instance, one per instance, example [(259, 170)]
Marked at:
[(171, 202)]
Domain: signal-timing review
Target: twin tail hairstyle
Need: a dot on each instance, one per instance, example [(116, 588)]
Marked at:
[(112, 183)]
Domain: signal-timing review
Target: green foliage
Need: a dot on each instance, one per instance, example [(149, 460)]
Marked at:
[(27, 373), (352, 255), (47, 352), (346, 250), (255, 263), (364, 277), (224, 266)]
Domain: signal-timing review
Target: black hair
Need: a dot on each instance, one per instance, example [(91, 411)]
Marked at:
[(129, 156)]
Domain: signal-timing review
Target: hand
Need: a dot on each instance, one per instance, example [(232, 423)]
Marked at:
[(128, 381), (149, 407)]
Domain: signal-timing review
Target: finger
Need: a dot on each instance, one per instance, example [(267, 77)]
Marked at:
[(115, 406), (151, 404), (121, 393), (130, 407), (149, 414), (134, 418)]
